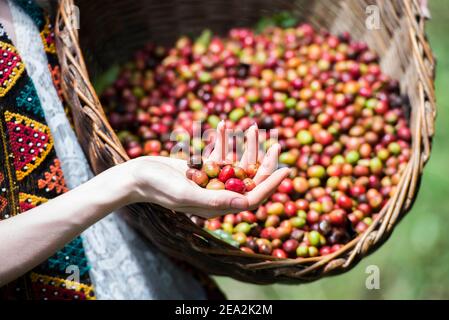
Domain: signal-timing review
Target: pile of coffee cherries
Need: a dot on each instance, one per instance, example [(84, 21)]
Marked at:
[(216, 176), (341, 124)]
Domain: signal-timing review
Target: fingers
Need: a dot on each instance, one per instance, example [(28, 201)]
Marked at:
[(265, 189), (269, 164), (250, 155), (219, 152), (214, 202)]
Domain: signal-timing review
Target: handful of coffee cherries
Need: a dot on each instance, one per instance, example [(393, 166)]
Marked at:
[(223, 176)]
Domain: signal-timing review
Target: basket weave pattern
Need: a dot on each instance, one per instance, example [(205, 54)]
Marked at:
[(123, 26)]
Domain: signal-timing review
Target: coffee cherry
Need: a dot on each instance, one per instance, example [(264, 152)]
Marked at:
[(215, 184), (235, 185), (247, 250), (227, 227), (239, 173), (314, 238), (243, 227), (152, 146), (249, 184), (313, 251), (290, 246), (213, 224), (200, 178), (252, 170), (316, 172), (211, 169), (302, 251), (239, 237), (265, 248), (275, 208), (300, 184), (337, 217), (345, 202), (226, 173), (279, 253), (190, 172), (304, 137), (286, 186)]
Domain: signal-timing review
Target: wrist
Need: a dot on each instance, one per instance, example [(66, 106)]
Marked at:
[(134, 187), (125, 177), (116, 187)]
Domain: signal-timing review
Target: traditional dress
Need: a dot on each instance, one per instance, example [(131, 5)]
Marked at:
[(34, 131)]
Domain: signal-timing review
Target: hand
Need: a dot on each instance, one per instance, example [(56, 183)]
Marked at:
[(163, 180)]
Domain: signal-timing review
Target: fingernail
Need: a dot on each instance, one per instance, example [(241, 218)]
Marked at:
[(238, 203)]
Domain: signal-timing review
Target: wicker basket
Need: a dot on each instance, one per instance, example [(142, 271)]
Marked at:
[(111, 30)]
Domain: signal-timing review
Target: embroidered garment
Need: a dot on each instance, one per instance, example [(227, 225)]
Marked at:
[(30, 172), (124, 266)]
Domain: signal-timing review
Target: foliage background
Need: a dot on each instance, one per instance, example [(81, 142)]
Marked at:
[(414, 263)]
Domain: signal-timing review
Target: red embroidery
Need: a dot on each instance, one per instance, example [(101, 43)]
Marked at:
[(48, 37), (29, 201), (30, 143), (11, 67)]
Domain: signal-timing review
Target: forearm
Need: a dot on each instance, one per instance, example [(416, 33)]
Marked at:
[(31, 237)]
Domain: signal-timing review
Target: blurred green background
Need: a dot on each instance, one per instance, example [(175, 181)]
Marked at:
[(414, 263)]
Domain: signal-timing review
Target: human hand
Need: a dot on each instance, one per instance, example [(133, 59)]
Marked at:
[(163, 180)]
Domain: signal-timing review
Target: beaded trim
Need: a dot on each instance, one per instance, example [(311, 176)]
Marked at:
[(31, 142), (58, 285), (11, 67), (29, 201), (48, 37)]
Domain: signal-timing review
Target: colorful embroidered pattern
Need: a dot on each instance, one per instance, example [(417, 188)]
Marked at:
[(29, 100), (30, 173), (56, 77), (30, 143), (48, 37), (52, 288), (54, 179), (11, 67), (71, 255), (29, 201)]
